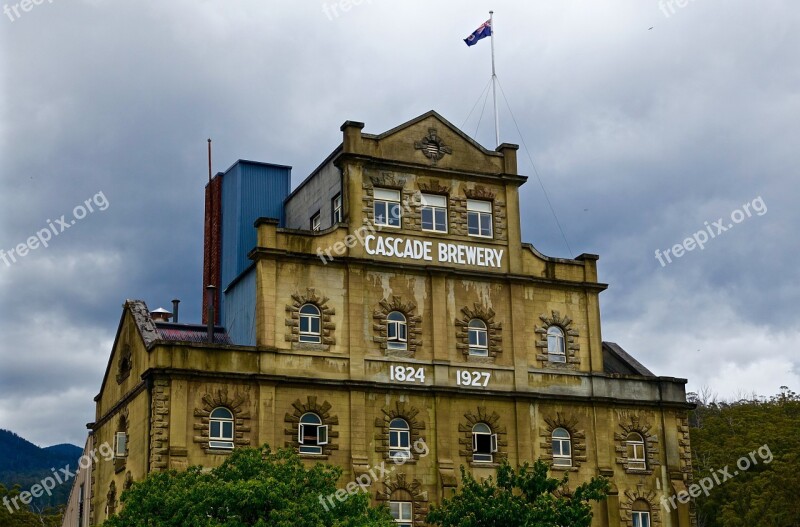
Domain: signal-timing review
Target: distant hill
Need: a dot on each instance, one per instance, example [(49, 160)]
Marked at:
[(25, 464)]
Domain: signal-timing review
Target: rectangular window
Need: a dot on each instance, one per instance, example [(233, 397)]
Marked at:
[(312, 438), (336, 207), (387, 208), (641, 519), (402, 512), (434, 213), (120, 444), (562, 453), (399, 444), (316, 222), (479, 218)]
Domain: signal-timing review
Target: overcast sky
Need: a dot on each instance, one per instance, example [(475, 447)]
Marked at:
[(640, 136)]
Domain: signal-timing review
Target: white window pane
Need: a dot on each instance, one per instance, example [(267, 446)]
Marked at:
[(394, 215), (479, 206), (434, 201), (440, 220), (486, 225), (387, 195), (427, 219)]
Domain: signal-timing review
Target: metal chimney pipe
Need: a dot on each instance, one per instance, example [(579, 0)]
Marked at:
[(175, 303), (210, 310)]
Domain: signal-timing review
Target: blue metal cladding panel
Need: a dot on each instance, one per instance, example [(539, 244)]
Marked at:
[(249, 191), (240, 310)]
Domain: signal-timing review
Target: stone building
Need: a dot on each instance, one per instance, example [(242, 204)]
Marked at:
[(389, 302)]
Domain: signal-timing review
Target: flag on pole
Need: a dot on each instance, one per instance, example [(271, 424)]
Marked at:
[(482, 32)]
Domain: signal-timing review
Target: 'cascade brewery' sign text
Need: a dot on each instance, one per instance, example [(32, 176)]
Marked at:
[(444, 253)]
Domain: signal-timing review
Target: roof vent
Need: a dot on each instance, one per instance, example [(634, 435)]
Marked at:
[(160, 315)]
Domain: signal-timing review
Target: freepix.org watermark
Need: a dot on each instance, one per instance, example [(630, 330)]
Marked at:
[(718, 477), (59, 477), (98, 202), (711, 231), (670, 7), (375, 474), (335, 9), (13, 11), (361, 234)]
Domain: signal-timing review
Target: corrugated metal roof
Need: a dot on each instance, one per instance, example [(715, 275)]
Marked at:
[(191, 333)]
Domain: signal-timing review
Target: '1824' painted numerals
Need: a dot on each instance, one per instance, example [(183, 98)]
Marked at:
[(407, 374), (472, 378)]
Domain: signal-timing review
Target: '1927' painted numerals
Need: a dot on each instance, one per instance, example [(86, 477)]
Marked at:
[(407, 374), (472, 378)]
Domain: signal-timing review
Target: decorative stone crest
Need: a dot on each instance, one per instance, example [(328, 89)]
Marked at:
[(432, 146), (399, 488), (637, 424), (433, 187), (571, 347), (491, 419), (494, 332), (577, 440), (323, 410), (388, 180), (404, 411), (413, 322), (239, 406), (293, 322), (480, 192)]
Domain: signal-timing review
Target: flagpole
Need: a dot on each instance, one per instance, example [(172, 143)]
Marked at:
[(494, 85)]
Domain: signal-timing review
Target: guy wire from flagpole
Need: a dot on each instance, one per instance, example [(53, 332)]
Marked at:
[(494, 85)]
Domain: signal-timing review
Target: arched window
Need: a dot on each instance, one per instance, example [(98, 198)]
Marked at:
[(555, 345), (220, 429), (636, 452), (310, 324), (402, 512), (484, 443), (562, 448), (396, 331), (478, 338), (312, 434), (399, 439), (641, 513)]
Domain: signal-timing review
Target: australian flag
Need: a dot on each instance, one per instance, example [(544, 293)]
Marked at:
[(482, 32)]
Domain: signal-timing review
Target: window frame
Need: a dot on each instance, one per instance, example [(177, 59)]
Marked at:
[(120, 445), (309, 336), (388, 203), (485, 431), (401, 521), (560, 459), (399, 451), (475, 209), (336, 209), (557, 334), (398, 341), (312, 445), (221, 441), (477, 349), (316, 222), (636, 463), (434, 209), (638, 516)]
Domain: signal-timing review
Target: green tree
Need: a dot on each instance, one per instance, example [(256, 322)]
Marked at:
[(764, 494), (253, 487), (525, 497), (11, 516)]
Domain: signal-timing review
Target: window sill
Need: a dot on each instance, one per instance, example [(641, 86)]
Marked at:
[(314, 456), (219, 451), (484, 464)]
